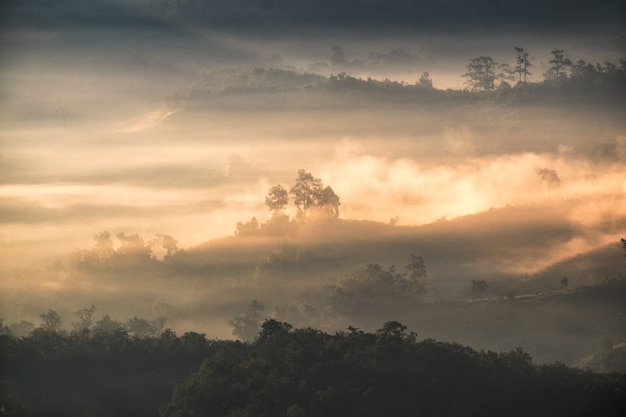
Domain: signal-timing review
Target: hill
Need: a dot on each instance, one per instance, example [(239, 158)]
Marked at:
[(334, 273)]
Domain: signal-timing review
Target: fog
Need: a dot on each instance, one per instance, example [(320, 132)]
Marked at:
[(141, 118)]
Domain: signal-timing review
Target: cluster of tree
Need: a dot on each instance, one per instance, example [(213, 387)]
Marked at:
[(310, 197), (86, 323), (126, 250), (485, 74), (301, 372), (247, 326), (485, 78), (102, 371), (305, 372), (376, 286)]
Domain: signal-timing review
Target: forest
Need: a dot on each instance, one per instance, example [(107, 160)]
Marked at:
[(312, 207), (287, 372)]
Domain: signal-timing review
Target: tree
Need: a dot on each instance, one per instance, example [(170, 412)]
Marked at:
[(551, 178), (247, 327), (425, 81), (248, 228), (309, 193), (482, 73), (417, 273), (396, 330), (521, 64), (305, 191), (624, 245), (140, 328), (329, 203), (21, 329), (167, 242), (133, 246), (108, 325), (51, 321), (559, 63), (85, 316), (277, 198), (103, 247)]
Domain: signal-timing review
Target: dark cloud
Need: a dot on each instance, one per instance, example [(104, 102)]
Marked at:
[(243, 15)]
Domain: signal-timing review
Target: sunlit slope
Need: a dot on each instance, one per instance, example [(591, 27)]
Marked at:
[(519, 308), (512, 244)]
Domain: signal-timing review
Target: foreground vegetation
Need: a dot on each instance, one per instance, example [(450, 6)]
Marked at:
[(288, 372)]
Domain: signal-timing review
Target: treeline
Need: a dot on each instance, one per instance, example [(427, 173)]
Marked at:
[(102, 370), (288, 372), (485, 79)]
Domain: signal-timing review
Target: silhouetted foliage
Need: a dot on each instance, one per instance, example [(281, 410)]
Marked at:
[(306, 372), (483, 72), (559, 64), (378, 288), (310, 195), (104, 370), (132, 251), (247, 327), (551, 178), (95, 371), (277, 198), (522, 64)]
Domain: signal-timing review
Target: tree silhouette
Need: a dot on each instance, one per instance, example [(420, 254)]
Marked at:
[(551, 178), (277, 198), (483, 72), (417, 274), (425, 81), (559, 63), (521, 64), (85, 317), (51, 321), (247, 327), (167, 242), (309, 193)]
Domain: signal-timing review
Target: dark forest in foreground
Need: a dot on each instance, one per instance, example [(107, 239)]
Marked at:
[(288, 372)]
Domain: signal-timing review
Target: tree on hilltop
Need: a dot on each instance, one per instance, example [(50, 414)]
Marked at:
[(277, 198), (483, 72), (521, 64), (559, 63), (310, 195)]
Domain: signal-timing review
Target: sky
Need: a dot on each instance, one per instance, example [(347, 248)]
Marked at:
[(129, 116)]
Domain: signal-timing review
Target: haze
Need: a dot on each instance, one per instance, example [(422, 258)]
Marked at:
[(175, 118)]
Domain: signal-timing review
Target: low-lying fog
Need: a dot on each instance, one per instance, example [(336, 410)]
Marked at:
[(130, 129)]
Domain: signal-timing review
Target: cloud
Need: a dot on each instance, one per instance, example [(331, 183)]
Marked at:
[(341, 14), (375, 187)]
